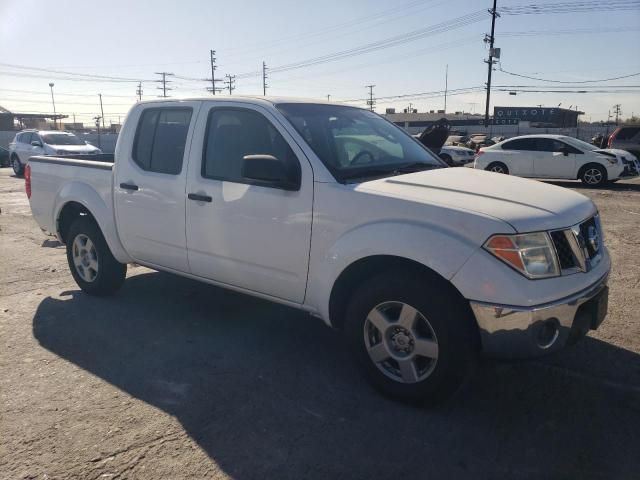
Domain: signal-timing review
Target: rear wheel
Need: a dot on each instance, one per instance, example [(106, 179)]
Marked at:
[(411, 335), (92, 264), (594, 175), (18, 168), (498, 167)]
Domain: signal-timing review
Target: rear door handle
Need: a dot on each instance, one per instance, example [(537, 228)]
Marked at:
[(129, 186), (199, 198)]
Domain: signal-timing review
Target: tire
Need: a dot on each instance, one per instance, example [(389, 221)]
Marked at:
[(497, 167), (593, 175), (92, 264), (399, 361), (18, 168), (447, 159)]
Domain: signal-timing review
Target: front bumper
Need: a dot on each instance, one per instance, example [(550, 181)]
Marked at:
[(521, 332)]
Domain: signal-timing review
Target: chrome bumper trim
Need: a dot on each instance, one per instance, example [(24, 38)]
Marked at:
[(515, 332)]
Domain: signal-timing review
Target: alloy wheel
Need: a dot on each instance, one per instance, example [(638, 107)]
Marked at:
[(401, 342), (85, 258), (592, 176)]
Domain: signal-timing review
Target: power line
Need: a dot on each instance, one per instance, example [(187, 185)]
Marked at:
[(565, 81), (396, 40), (74, 74), (570, 7)]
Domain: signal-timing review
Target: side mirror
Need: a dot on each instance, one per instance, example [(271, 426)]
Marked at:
[(565, 151), (36, 143), (268, 171)]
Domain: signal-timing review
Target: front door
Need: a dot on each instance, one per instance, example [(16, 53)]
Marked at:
[(243, 234), (554, 159), (149, 187)]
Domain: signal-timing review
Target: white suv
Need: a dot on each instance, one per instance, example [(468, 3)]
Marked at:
[(29, 143), (557, 156)]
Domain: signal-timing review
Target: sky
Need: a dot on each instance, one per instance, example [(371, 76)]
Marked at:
[(134, 40)]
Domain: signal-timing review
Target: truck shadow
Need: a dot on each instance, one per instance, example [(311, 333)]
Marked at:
[(268, 391)]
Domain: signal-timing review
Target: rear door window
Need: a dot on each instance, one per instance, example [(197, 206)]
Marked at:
[(161, 138), (525, 144)]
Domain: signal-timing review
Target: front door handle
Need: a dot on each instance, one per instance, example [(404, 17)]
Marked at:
[(199, 198), (129, 186)]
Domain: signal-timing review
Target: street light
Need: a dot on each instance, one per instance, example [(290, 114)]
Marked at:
[(54, 106)]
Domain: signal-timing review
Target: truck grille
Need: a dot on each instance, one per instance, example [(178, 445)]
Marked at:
[(579, 248)]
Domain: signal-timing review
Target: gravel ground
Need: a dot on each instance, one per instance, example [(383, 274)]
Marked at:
[(175, 379)]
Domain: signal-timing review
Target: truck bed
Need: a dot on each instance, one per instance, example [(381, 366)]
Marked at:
[(55, 178)]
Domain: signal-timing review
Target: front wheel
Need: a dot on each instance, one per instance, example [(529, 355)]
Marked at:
[(92, 264), (412, 337), (594, 176), (18, 168)]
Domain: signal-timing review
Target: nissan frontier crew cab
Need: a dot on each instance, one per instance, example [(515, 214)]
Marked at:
[(333, 210)]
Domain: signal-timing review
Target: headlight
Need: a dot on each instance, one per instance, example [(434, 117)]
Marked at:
[(532, 254)]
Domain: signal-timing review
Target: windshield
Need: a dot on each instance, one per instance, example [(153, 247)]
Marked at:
[(355, 143), (60, 139), (580, 144)]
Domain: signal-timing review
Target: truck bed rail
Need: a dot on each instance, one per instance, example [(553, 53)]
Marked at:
[(103, 161)]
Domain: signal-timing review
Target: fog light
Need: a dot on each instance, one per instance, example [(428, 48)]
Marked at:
[(548, 332)]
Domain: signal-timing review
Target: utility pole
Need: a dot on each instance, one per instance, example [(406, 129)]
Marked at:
[(55, 125), (446, 87), (371, 102), (164, 82), (101, 110), (139, 91), (617, 110), (264, 78), (213, 71), (489, 62), (230, 82)]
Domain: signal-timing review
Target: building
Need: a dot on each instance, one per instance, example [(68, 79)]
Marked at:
[(17, 121)]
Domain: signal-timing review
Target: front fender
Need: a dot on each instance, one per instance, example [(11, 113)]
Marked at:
[(439, 248), (102, 211)]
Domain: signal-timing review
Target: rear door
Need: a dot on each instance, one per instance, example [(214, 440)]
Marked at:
[(519, 154), (551, 161), (149, 185), (241, 233)]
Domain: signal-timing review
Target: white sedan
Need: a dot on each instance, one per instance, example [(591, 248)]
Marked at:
[(557, 156), (456, 156)]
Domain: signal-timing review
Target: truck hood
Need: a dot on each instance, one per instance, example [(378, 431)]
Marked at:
[(526, 205)]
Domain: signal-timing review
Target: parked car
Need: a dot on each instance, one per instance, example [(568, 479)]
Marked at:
[(479, 140), (557, 156), (626, 137), (457, 140), (4, 157), (335, 211), (28, 143), (456, 156)]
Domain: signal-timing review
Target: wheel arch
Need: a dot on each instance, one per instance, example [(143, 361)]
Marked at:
[(78, 199), (362, 269)]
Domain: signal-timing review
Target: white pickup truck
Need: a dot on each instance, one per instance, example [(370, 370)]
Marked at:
[(335, 211)]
